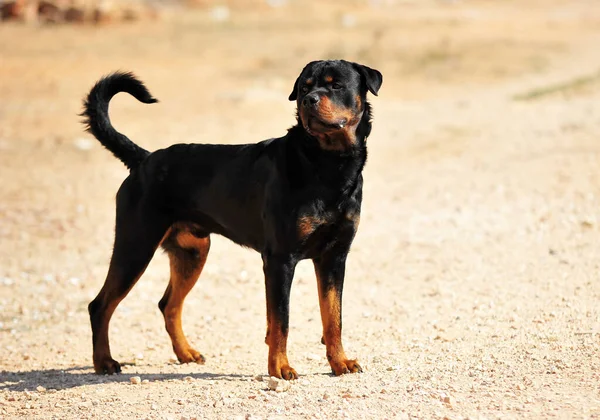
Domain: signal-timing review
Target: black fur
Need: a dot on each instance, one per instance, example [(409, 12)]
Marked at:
[(289, 198), (97, 120)]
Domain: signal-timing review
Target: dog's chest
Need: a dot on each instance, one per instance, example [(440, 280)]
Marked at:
[(319, 231)]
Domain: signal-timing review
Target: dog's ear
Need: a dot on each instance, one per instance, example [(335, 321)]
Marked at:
[(372, 78), (294, 95)]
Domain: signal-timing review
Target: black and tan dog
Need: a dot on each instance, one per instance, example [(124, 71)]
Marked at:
[(290, 198)]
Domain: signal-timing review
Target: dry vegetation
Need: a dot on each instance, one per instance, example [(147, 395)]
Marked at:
[(472, 289)]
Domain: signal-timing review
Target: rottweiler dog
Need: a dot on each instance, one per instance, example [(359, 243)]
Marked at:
[(290, 198)]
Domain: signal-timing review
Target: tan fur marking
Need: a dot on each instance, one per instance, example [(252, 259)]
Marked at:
[(279, 365), (307, 225), (183, 278), (330, 302), (328, 79), (187, 240), (354, 218)]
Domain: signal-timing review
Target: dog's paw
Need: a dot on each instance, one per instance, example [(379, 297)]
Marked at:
[(345, 366), (284, 372), (190, 355), (107, 366)]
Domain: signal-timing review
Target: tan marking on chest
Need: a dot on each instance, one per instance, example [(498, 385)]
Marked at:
[(308, 224)]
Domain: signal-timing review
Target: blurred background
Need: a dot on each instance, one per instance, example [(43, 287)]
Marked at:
[(474, 275)]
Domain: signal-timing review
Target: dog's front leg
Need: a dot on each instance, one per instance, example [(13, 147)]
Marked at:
[(330, 269), (279, 273)]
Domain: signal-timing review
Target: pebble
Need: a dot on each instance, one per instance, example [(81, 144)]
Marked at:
[(83, 143), (135, 380), (447, 399), (278, 385), (40, 389), (220, 13)]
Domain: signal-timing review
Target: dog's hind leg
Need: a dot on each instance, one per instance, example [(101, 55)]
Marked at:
[(187, 255), (138, 232)]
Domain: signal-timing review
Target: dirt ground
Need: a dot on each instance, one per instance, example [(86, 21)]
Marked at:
[(472, 289)]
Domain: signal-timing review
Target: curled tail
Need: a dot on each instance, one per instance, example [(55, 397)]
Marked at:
[(98, 123)]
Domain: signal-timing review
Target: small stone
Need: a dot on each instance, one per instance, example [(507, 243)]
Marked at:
[(278, 385), (348, 20), (145, 381), (326, 395), (153, 407), (220, 13), (83, 143), (447, 399), (135, 380), (188, 379), (40, 389)]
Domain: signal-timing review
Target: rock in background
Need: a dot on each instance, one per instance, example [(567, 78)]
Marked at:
[(76, 11)]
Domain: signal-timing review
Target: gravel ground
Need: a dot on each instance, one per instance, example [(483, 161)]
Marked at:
[(472, 288)]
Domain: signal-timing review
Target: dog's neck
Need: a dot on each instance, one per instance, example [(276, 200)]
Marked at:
[(341, 166)]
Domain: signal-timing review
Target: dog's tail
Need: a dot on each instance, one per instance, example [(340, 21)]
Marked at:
[(98, 123)]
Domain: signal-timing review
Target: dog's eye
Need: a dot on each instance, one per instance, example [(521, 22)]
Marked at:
[(304, 89), (336, 86)]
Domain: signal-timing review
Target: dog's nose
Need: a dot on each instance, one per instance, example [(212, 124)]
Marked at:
[(310, 100)]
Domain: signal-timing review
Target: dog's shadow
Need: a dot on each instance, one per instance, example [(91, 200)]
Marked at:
[(61, 379)]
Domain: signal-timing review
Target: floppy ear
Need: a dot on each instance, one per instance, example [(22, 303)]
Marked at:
[(294, 95), (373, 78)]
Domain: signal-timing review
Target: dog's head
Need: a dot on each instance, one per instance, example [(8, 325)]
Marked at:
[(332, 100)]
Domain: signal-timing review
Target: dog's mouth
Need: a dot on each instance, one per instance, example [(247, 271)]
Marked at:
[(315, 124)]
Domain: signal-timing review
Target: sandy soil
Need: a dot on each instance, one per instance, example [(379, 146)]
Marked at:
[(472, 288)]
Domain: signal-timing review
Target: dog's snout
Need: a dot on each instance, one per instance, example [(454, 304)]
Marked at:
[(310, 100)]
